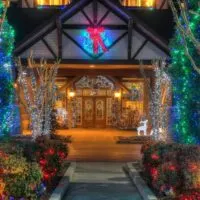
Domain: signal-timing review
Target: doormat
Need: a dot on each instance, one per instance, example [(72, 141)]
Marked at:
[(133, 139)]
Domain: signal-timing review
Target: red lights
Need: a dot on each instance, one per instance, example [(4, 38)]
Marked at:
[(172, 168), (154, 173), (155, 156), (193, 167)]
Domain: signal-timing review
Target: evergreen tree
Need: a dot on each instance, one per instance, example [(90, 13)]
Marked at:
[(186, 80), (8, 111)]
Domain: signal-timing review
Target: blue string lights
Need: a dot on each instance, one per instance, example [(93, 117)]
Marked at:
[(9, 118), (186, 84)]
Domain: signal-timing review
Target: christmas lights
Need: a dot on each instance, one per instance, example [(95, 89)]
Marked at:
[(185, 78), (39, 91), (159, 103), (9, 118), (95, 40)]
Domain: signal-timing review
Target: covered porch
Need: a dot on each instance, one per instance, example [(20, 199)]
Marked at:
[(100, 96)]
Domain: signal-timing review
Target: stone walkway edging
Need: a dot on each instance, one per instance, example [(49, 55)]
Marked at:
[(140, 184), (63, 185)]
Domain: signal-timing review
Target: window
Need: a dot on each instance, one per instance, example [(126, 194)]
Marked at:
[(53, 2), (138, 3)]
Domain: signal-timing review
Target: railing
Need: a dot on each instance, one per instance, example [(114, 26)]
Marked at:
[(138, 3), (126, 3), (53, 2)]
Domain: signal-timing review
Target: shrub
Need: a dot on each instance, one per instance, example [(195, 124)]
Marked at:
[(50, 155), (20, 177), (172, 168)]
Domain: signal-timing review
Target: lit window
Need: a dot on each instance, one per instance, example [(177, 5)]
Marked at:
[(53, 2), (138, 3)]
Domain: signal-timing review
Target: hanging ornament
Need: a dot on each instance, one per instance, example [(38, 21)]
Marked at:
[(98, 41)]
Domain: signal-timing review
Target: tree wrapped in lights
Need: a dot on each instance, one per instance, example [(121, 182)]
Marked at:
[(9, 121), (185, 70), (37, 83), (187, 28), (159, 100)]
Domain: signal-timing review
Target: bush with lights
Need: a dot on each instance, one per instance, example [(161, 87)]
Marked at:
[(172, 170), (18, 178), (50, 154)]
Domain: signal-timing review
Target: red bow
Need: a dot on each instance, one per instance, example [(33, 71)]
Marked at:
[(95, 35)]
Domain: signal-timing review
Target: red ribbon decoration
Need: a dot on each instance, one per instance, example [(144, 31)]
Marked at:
[(95, 35)]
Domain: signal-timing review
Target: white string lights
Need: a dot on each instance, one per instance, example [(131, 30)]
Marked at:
[(37, 82), (160, 96)]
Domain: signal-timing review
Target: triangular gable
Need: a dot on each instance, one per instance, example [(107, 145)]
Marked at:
[(66, 34)]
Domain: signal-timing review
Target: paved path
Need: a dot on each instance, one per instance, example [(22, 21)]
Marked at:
[(100, 145), (101, 181)]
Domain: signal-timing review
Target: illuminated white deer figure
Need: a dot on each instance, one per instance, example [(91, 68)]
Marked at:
[(142, 127)]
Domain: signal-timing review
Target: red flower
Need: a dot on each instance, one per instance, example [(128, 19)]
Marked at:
[(61, 154), (43, 162), (154, 173), (51, 151), (192, 196), (155, 156), (172, 168), (46, 176)]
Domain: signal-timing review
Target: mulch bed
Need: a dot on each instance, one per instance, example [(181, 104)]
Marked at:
[(133, 139)]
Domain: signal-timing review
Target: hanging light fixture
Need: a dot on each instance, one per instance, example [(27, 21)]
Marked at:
[(72, 94), (117, 94)]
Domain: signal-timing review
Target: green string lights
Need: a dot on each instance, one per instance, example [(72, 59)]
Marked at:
[(186, 82), (9, 120)]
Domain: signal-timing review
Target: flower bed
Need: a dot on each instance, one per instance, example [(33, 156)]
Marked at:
[(172, 170), (28, 168)]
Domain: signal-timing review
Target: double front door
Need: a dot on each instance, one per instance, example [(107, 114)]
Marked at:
[(94, 112)]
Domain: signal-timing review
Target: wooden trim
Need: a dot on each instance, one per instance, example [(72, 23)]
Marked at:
[(77, 44), (31, 41), (84, 26), (105, 72), (104, 16), (49, 48), (71, 82), (96, 62), (59, 35), (86, 16), (130, 38), (152, 36), (118, 11), (140, 49), (118, 83), (73, 8)]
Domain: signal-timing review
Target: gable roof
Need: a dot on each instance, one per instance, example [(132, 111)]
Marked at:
[(31, 21), (26, 20)]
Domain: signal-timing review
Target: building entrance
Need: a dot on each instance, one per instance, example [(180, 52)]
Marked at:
[(94, 112)]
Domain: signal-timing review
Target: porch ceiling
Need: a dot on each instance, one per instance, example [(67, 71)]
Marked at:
[(102, 66), (116, 72)]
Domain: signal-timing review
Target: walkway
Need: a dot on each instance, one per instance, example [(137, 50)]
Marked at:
[(101, 181), (100, 145)]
